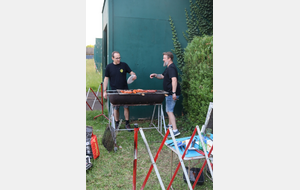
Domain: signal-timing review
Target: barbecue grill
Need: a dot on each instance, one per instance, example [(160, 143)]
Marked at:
[(143, 98), (148, 98)]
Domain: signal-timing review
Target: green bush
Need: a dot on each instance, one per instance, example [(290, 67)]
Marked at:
[(197, 79)]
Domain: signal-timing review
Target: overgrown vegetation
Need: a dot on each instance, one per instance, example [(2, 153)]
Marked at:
[(197, 78), (199, 22), (200, 19), (195, 61), (178, 51)]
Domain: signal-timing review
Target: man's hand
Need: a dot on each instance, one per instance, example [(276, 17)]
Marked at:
[(134, 77), (174, 97), (153, 75), (158, 76), (104, 95)]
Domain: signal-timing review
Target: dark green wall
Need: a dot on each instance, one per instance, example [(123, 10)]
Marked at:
[(106, 36), (141, 32)]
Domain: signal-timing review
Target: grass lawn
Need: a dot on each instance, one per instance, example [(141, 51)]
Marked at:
[(93, 78), (114, 170)]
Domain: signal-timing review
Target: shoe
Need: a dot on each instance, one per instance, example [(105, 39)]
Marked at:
[(175, 134), (117, 125), (128, 128), (167, 127)]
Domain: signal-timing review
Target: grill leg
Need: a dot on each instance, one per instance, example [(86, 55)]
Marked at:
[(158, 117), (152, 115), (163, 118)]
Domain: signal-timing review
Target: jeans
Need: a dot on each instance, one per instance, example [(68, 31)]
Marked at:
[(170, 103), (118, 107)]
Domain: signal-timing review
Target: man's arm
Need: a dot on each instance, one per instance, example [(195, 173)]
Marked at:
[(158, 76), (174, 87), (105, 86)]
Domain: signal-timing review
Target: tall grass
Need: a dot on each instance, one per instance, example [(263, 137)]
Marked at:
[(93, 78)]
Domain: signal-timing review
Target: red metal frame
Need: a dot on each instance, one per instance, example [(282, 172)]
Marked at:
[(183, 155), (198, 176), (135, 158), (101, 102), (96, 95), (200, 152), (156, 156), (89, 106)]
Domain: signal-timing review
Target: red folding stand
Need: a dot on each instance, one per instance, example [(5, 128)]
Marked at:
[(198, 176), (155, 159), (183, 155), (136, 129), (181, 163), (178, 166), (135, 156), (87, 98), (91, 108), (101, 102)]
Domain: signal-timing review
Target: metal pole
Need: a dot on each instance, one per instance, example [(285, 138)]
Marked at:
[(158, 117), (87, 94), (171, 163), (180, 159), (204, 150), (189, 170), (101, 103), (95, 97), (111, 117), (153, 160), (89, 105), (163, 118), (152, 115), (199, 174), (135, 156), (102, 97)]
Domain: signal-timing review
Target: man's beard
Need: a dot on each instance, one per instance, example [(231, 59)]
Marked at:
[(166, 63)]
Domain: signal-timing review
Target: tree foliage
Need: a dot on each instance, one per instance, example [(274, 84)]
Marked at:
[(197, 78)]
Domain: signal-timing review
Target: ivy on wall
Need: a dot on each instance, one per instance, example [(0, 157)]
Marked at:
[(199, 22), (178, 51)]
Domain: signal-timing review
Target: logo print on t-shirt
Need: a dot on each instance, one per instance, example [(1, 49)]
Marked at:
[(121, 70)]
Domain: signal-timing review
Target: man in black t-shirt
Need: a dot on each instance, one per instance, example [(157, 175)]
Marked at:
[(115, 72), (171, 85)]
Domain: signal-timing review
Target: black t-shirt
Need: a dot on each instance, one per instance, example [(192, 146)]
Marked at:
[(117, 75), (170, 72)]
